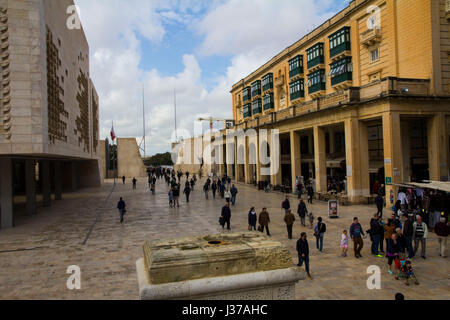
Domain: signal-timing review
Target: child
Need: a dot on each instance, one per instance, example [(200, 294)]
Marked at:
[(344, 243), (407, 271), (171, 198), (311, 219)]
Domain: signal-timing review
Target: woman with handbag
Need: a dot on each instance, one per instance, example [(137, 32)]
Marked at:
[(252, 218)]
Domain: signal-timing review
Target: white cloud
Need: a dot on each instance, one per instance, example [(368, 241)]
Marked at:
[(251, 31)]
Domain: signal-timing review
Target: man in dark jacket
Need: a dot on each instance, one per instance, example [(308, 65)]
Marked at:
[(380, 203), (302, 211), (234, 192), (408, 234), (121, 207), (286, 205), (187, 191), (303, 252), (289, 218), (356, 233), (375, 234), (226, 215), (310, 191), (442, 231)]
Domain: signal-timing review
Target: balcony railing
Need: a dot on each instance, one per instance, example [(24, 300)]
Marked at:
[(346, 76), (317, 87), (268, 106), (256, 93), (343, 47), (257, 110), (297, 95), (370, 37), (316, 61), (268, 86), (295, 72)]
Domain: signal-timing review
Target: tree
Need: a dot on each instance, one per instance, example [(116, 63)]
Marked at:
[(160, 159)]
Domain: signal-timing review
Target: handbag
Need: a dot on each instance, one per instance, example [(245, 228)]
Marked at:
[(260, 228), (249, 228), (221, 221)]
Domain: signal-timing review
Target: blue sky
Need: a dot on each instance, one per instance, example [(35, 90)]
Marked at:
[(199, 47)]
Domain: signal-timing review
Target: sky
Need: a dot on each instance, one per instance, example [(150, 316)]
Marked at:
[(195, 48)]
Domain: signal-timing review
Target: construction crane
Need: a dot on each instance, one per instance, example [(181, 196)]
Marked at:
[(227, 123)]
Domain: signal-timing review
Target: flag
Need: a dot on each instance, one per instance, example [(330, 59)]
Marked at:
[(113, 134)]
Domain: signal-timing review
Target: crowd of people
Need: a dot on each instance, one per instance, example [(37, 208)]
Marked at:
[(397, 236)]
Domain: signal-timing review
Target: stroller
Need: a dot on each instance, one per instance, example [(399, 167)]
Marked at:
[(405, 271)]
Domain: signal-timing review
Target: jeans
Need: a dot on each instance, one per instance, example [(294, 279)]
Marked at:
[(253, 226), (233, 199), (226, 221), (358, 244), (187, 197), (214, 194), (380, 211), (423, 242), (319, 242), (267, 229), (289, 231), (303, 259), (206, 194), (409, 246), (381, 243), (375, 243), (121, 211), (302, 220)]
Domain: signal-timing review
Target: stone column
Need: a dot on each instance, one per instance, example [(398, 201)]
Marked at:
[(46, 189), (30, 182), (406, 150), (295, 157), (58, 180), (275, 155), (357, 159), (6, 194), (393, 158), (231, 157), (437, 148), (74, 177), (320, 159)]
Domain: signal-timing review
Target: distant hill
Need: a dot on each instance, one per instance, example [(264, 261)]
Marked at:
[(160, 159)]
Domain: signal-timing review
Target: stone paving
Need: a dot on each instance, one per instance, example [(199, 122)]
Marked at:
[(34, 256)]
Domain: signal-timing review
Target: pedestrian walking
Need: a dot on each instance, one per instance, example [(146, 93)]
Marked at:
[(379, 201), (264, 220), (319, 231), (303, 253), (226, 216), (214, 189), (420, 234), (187, 191), (356, 234), (121, 207), (134, 183), (344, 243), (310, 191), (311, 219), (123, 179), (252, 219), (228, 196), (442, 231), (408, 231), (289, 219), (206, 190), (153, 188), (286, 205), (302, 211), (171, 198), (393, 249), (176, 195), (375, 235), (234, 192)]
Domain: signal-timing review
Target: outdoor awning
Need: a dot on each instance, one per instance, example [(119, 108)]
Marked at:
[(434, 185)]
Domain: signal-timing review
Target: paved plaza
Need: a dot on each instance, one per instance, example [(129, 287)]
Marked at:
[(34, 256)]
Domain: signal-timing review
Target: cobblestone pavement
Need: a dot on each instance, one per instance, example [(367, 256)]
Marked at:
[(34, 256)]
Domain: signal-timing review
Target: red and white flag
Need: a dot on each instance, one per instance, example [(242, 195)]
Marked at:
[(113, 134)]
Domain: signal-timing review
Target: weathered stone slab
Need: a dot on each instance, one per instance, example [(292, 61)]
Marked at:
[(193, 258)]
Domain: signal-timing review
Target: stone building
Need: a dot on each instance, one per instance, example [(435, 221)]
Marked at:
[(364, 97), (49, 111)]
